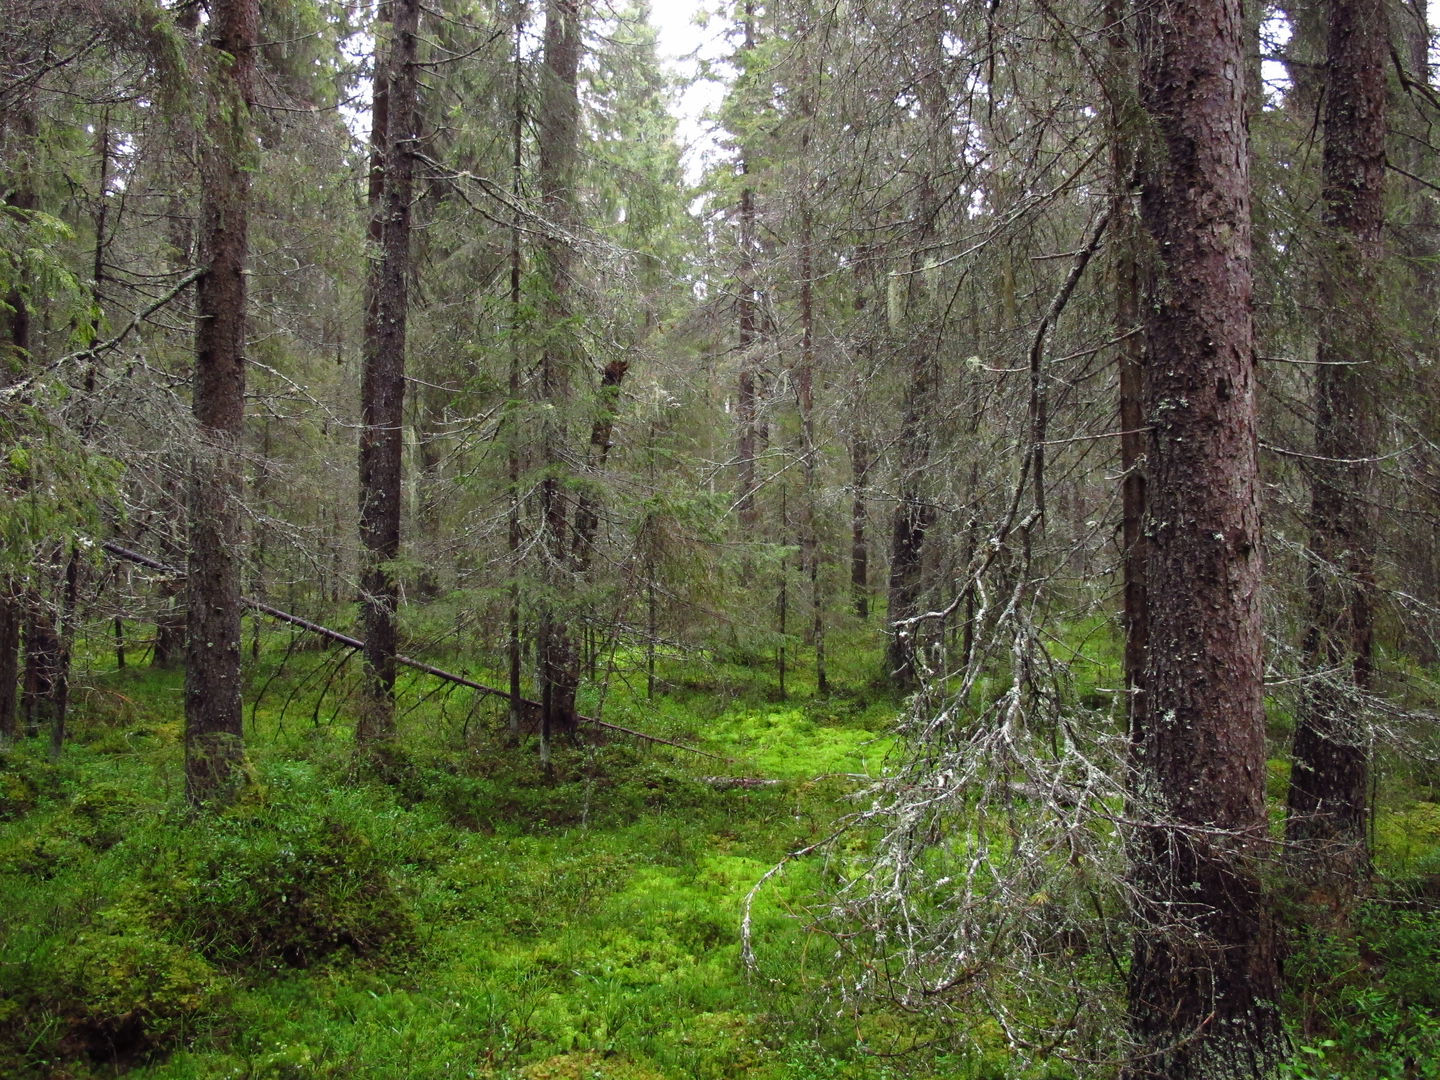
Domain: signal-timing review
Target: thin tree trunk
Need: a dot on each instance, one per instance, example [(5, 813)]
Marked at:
[(914, 514), (40, 681), (513, 462), (747, 343), (214, 739), (861, 452), (382, 392), (805, 381), (1204, 985), (9, 660), (1125, 229), (1326, 826), (859, 544), (16, 360)]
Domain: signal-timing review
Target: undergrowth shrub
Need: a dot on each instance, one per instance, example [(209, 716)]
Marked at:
[(26, 779), (122, 993), (288, 890), (1369, 1000), (91, 977)]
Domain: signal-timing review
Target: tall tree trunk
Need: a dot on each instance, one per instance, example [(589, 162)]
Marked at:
[(1328, 780), (382, 389), (14, 362), (914, 513), (558, 149), (805, 377), (748, 317), (35, 611), (1204, 983), (214, 739), (513, 460)]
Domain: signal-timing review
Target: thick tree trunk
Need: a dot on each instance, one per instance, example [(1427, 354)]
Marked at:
[(382, 389), (558, 149), (1204, 984), (1328, 782), (214, 746)]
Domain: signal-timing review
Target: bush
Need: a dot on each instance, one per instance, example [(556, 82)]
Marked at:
[(25, 779), (124, 994), (287, 891)]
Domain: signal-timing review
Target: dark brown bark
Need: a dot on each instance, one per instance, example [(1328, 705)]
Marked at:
[(1326, 826), (1204, 984), (382, 387), (10, 618), (558, 149), (214, 745), (43, 674), (587, 506)]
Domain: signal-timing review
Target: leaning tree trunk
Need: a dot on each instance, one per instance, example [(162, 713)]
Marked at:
[(1328, 782), (214, 740), (395, 119), (1204, 984)]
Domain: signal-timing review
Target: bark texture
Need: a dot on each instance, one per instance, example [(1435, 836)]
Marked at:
[(558, 148), (1329, 779), (214, 746), (1204, 983), (382, 386)]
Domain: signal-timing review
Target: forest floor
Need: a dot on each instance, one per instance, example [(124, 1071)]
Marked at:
[(468, 915)]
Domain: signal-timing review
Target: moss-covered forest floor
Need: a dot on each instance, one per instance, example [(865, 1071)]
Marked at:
[(468, 915)]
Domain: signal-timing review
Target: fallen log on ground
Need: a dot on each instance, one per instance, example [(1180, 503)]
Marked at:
[(419, 665)]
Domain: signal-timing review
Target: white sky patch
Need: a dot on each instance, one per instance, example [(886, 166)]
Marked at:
[(684, 43)]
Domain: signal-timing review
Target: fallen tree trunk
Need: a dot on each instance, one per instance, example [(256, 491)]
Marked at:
[(429, 669)]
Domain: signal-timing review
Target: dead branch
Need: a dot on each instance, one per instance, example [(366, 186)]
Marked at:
[(405, 661)]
